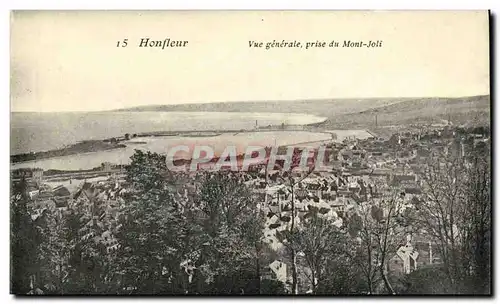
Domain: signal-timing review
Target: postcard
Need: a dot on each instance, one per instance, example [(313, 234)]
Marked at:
[(250, 152)]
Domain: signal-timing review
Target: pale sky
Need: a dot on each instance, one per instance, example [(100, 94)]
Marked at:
[(68, 61)]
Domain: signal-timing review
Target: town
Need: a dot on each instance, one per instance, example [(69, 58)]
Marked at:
[(370, 192)]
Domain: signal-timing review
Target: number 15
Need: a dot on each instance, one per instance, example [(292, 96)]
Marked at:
[(123, 43)]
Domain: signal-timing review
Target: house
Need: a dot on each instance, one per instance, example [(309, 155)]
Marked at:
[(280, 270), (338, 206), (45, 195), (61, 191), (86, 190), (405, 259), (37, 176), (60, 202), (44, 204), (32, 189), (418, 252), (412, 189), (32, 193), (400, 179)]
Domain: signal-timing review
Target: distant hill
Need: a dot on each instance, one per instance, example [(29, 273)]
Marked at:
[(347, 113), (465, 110), (320, 107)]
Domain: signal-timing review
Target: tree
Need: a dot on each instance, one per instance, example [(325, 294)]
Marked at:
[(149, 235), (321, 241), (25, 241), (364, 254), (439, 209), (426, 281), (381, 226), (476, 224), (187, 234), (456, 213), (343, 275), (87, 232), (231, 225), (53, 252)]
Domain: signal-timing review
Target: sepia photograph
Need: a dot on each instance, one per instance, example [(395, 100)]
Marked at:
[(274, 153)]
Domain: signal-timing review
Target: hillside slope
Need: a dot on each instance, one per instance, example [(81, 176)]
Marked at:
[(320, 107), (464, 110), (349, 113)]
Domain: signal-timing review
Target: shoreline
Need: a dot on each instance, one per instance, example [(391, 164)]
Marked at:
[(106, 144), (87, 146)]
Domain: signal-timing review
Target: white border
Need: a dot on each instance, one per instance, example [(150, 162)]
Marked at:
[(256, 4), (6, 6)]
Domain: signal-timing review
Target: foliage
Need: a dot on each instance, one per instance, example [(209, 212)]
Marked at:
[(25, 240), (456, 213), (426, 281), (203, 234)]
